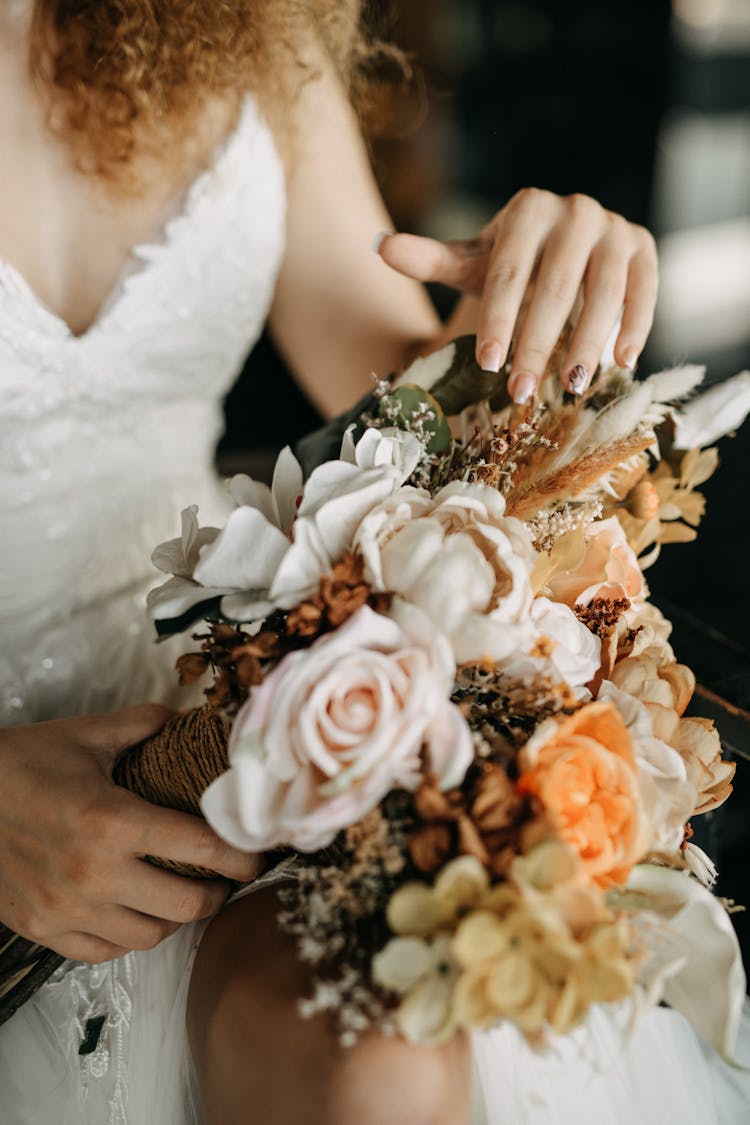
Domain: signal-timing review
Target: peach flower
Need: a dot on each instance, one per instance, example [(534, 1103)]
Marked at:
[(332, 729), (609, 569), (583, 770)]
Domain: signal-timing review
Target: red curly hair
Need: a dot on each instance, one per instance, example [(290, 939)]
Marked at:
[(129, 76)]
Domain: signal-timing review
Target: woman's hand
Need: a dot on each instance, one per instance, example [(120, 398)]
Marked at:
[(72, 876), (551, 247)]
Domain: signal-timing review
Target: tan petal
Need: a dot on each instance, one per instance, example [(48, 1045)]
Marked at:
[(480, 937), (682, 681), (414, 909)]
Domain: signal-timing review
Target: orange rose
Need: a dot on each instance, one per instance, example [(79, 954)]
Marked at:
[(582, 769)]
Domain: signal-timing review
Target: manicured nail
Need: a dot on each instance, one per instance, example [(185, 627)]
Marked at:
[(630, 358), (490, 356), (379, 238), (522, 387), (578, 379)]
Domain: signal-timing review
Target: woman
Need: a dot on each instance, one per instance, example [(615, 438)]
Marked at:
[(173, 174)]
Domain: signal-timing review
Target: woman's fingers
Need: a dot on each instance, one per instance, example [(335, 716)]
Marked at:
[(171, 897), (188, 839), (459, 265), (517, 244), (559, 277), (538, 252), (130, 929), (604, 292), (86, 947), (640, 300)]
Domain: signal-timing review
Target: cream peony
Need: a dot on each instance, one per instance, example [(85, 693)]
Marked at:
[(333, 728), (609, 569), (460, 559)]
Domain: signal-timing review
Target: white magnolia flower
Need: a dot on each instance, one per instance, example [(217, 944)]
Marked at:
[(667, 794), (389, 446), (279, 542), (179, 557), (332, 729), (460, 559), (720, 410)]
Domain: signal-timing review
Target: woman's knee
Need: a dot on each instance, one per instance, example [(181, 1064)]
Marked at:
[(257, 1060)]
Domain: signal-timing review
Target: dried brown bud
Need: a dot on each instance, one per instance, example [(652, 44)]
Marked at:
[(248, 671), (470, 842), (496, 804), (431, 803), (305, 619), (191, 667), (430, 847)]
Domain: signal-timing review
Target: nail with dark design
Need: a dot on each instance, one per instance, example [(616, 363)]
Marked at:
[(578, 379)]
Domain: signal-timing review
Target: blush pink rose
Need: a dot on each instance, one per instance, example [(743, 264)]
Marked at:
[(334, 728), (609, 569)]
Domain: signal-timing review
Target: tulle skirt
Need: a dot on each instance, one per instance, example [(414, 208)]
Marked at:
[(128, 1018)]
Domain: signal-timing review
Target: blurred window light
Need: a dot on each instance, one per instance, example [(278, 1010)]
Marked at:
[(704, 291), (713, 24), (702, 172)]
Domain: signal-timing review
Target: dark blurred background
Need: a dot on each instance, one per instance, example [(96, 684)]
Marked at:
[(645, 105)]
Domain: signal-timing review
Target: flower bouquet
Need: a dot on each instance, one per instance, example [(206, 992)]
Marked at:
[(438, 689)]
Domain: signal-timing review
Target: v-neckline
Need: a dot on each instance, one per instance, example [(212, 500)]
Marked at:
[(141, 255)]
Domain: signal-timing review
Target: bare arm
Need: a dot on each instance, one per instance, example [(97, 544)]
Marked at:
[(339, 312)]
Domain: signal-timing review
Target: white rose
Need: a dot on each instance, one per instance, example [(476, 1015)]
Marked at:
[(562, 648), (334, 728), (460, 559)]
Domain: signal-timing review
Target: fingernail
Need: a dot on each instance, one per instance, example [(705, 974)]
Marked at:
[(490, 356), (578, 379), (377, 241), (630, 357), (522, 387)]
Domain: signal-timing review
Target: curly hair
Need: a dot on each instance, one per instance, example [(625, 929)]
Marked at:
[(129, 76)]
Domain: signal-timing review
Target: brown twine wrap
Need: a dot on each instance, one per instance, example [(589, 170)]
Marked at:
[(175, 766)]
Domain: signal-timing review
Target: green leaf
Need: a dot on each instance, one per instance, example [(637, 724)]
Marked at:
[(91, 1033), (465, 384), (404, 408), (203, 611)]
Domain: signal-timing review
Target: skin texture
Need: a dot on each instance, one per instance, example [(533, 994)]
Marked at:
[(252, 1049)]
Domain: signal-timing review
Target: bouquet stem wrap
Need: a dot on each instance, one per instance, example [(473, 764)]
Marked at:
[(172, 769), (175, 766)]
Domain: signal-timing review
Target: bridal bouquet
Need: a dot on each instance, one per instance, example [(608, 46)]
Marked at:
[(451, 704)]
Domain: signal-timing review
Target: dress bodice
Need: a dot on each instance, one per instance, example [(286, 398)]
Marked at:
[(106, 436)]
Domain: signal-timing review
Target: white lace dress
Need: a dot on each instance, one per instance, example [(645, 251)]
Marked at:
[(103, 439)]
